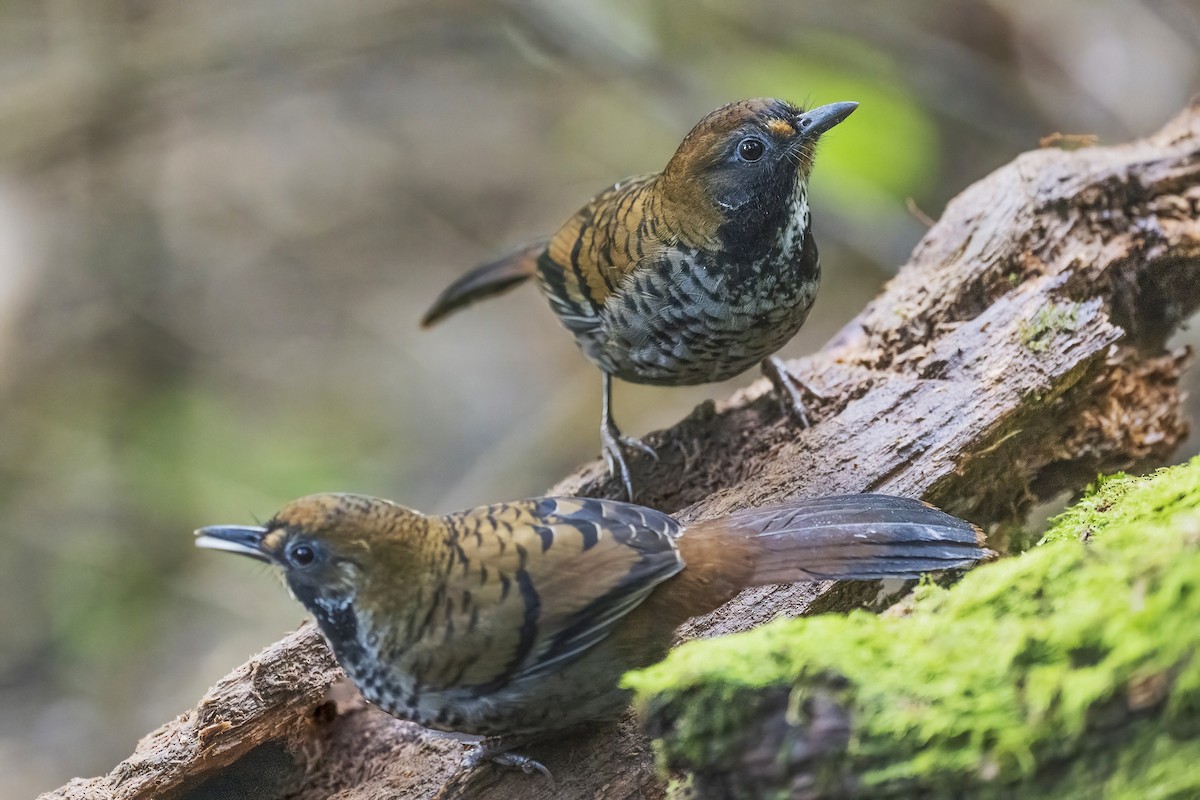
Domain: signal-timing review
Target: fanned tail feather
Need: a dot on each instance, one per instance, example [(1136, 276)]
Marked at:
[(856, 537)]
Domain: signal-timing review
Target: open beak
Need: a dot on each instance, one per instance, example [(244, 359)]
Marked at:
[(245, 540), (812, 124)]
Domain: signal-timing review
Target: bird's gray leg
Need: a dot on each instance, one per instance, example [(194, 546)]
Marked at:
[(614, 444), (791, 390), (496, 750)]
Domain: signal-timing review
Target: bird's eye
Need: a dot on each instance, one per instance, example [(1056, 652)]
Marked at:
[(302, 555), (751, 149)]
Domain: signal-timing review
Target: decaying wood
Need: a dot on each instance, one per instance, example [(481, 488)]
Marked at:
[(1019, 352)]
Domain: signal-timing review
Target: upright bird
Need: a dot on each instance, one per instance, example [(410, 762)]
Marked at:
[(515, 621), (690, 275), (687, 276)]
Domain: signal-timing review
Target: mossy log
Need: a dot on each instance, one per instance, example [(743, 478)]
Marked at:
[(1019, 352), (1070, 671)]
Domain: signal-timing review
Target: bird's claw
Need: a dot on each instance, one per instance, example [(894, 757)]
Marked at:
[(482, 753), (524, 763), (637, 444), (614, 446), (790, 390)]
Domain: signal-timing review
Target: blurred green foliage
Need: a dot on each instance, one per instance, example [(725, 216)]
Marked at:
[(166, 457), (892, 145)]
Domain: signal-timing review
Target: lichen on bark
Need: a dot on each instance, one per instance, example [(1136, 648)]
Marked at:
[(1068, 671)]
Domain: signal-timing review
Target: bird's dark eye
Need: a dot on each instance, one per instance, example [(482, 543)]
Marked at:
[(751, 149), (302, 555)]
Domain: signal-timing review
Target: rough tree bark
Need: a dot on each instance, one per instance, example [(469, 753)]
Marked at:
[(1019, 352)]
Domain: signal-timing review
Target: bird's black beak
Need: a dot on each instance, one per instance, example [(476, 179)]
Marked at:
[(812, 124), (246, 540)]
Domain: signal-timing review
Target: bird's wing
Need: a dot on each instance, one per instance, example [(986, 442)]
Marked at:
[(591, 255), (549, 578)]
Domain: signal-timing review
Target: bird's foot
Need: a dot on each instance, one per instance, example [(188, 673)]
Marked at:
[(790, 390), (492, 751), (614, 446)]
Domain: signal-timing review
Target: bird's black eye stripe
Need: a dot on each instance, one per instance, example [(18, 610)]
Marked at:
[(751, 149)]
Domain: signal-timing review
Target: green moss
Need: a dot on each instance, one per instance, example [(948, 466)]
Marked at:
[(1122, 499), (1050, 321), (1006, 677), (1150, 764), (680, 788)]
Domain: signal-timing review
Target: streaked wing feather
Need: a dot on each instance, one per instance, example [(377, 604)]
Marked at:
[(591, 255), (582, 563)]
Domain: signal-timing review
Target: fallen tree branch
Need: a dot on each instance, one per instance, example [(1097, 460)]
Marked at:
[(1017, 354)]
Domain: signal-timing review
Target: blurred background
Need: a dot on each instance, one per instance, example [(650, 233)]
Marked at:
[(220, 222)]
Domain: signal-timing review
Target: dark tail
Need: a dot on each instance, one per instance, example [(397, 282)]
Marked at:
[(487, 280), (855, 537)]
